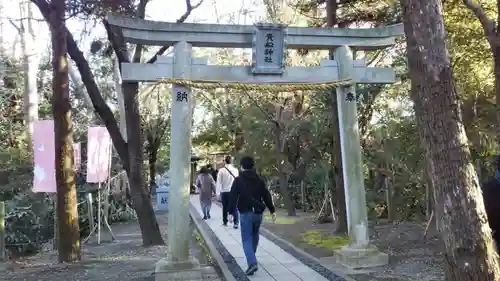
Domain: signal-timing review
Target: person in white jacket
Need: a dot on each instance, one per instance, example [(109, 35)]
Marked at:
[(225, 178)]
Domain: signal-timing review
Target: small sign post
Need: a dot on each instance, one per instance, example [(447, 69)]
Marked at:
[(268, 49)]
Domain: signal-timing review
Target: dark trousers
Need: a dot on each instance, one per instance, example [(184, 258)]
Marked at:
[(250, 225), (224, 197)]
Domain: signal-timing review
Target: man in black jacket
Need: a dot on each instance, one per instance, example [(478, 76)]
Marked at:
[(491, 197), (250, 194)]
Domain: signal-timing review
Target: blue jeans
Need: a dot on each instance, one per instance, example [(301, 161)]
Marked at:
[(224, 198), (250, 225)]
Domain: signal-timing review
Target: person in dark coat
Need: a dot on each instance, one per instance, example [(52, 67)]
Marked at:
[(213, 171), (251, 196), (491, 197)]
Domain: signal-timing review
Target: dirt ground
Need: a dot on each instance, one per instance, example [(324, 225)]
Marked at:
[(411, 257), (122, 260)]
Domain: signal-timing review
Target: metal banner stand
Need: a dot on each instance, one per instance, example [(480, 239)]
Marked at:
[(56, 227), (101, 216)]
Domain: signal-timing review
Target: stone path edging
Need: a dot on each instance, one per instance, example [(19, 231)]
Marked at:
[(228, 265)]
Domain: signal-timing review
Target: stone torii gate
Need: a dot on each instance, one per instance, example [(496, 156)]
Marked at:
[(268, 68)]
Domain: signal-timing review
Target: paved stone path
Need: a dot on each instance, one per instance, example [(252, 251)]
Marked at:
[(274, 263)]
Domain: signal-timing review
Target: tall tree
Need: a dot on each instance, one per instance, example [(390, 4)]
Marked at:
[(67, 214), (30, 64), (469, 253), (338, 190)]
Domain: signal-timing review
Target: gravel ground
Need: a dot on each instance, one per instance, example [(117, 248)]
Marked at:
[(122, 260), (411, 257)]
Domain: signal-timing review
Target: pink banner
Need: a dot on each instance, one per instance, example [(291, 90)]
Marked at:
[(77, 158), (98, 154), (44, 157)]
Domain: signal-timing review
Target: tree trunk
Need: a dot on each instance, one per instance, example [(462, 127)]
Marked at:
[(429, 199), (67, 214), (152, 167), (283, 179), (337, 187), (469, 250), (30, 67), (140, 196), (119, 96), (389, 195), (153, 147), (496, 61)]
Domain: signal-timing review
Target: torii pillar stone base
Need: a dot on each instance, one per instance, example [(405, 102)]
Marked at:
[(357, 258), (168, 270)]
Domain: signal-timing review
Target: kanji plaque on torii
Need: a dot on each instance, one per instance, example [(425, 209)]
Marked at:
[(268, 49)]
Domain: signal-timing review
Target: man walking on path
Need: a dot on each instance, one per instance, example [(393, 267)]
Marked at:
[(491, 196), (225, 178), (250, 194)]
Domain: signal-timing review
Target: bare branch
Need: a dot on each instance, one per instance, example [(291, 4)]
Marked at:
[(375, 57), (26, 18), (18, 28), (487, 23), (189, 10)]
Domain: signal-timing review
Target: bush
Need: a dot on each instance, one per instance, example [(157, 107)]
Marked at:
[(29, 220), (28, 223)]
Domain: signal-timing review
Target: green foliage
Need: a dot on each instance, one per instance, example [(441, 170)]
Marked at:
[(474, 78), (319, 239), (26, 220)]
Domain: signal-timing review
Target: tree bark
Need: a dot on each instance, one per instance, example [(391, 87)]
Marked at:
[(337, 187), (141, 199), (280, 137), (67, 214), (469, 250), (283, 179)]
